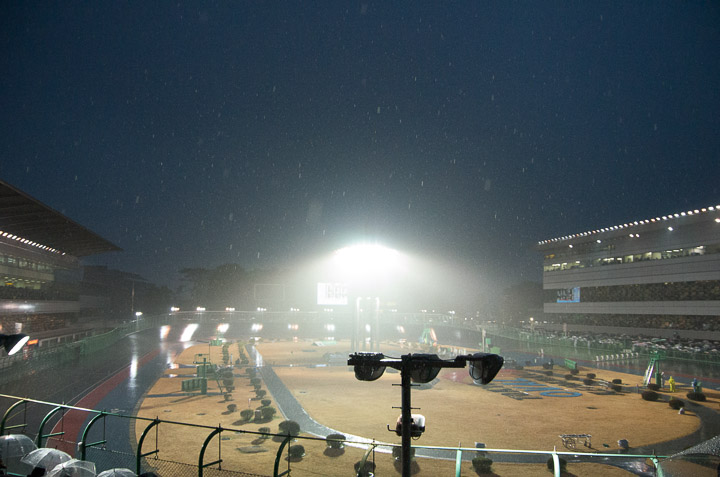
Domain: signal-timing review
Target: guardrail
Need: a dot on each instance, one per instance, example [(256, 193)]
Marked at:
[(274, 454), (596, 349)]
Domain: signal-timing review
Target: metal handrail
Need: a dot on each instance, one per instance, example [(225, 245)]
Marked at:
[(214, 430)]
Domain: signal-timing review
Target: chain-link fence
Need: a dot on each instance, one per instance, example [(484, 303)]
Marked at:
[(106, 459), (170, 468)]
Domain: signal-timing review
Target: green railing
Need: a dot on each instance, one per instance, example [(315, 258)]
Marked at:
[(213, 450), (596, 348)]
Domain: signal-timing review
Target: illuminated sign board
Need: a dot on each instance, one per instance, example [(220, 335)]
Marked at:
[(569, 295), (332, 294)]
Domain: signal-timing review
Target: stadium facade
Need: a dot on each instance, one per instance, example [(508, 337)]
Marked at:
[(40, 265), (659, 272)]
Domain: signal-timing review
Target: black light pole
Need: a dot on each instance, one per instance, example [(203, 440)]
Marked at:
[(420, 368), (406, 413)]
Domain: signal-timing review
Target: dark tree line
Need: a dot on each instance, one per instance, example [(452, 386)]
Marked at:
[(230, 285)]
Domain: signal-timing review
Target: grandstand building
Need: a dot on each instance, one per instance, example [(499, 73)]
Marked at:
[(40, 252), (662, 272)]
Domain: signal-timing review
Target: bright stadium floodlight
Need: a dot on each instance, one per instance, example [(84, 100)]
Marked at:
[(365, 269), (366, 257), (13, 343)]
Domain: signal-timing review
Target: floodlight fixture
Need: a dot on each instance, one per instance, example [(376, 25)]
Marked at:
[(367, 366), (425, 367), (366, 257), (13, 343), (484, 366), (419, 368)]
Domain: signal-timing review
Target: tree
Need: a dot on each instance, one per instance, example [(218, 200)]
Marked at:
[(521, 301), (289, 427), (335, 441), (225, 285), (296, 451), (267, 413)]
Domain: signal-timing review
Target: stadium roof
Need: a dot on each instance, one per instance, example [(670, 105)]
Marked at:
[(670, 218), (27, 218)]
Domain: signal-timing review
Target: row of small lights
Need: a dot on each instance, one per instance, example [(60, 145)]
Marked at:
[(328, 310), (637, 222), (30, 242)]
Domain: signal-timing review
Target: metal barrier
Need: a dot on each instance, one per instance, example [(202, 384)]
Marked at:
[(597, 349), (617, 357), (303, 455)]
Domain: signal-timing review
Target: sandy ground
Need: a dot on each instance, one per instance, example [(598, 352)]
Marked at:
[(457, 412)]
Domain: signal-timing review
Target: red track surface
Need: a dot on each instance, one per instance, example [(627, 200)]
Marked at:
[(72, 423)]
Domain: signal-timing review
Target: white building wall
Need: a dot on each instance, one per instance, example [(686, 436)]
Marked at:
[(685, 269)]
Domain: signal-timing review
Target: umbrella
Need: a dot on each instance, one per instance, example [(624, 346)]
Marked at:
[(73, 468), (117, 473), (46, 458), (15, 445), (12, 448)]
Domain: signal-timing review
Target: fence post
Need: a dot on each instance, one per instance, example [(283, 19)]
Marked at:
[(556, 464), (367, 454), (41, 436), (7, 414), (201, 466), (140, 455), (458, 461), (279, 455), (83, 444)]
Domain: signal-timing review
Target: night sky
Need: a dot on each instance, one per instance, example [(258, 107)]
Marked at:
[(263, 133)]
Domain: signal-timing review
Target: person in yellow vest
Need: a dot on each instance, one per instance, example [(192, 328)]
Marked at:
[(671, 382)]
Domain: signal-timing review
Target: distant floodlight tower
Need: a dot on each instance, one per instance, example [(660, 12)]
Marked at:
[(364, 265), (366, 308)]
